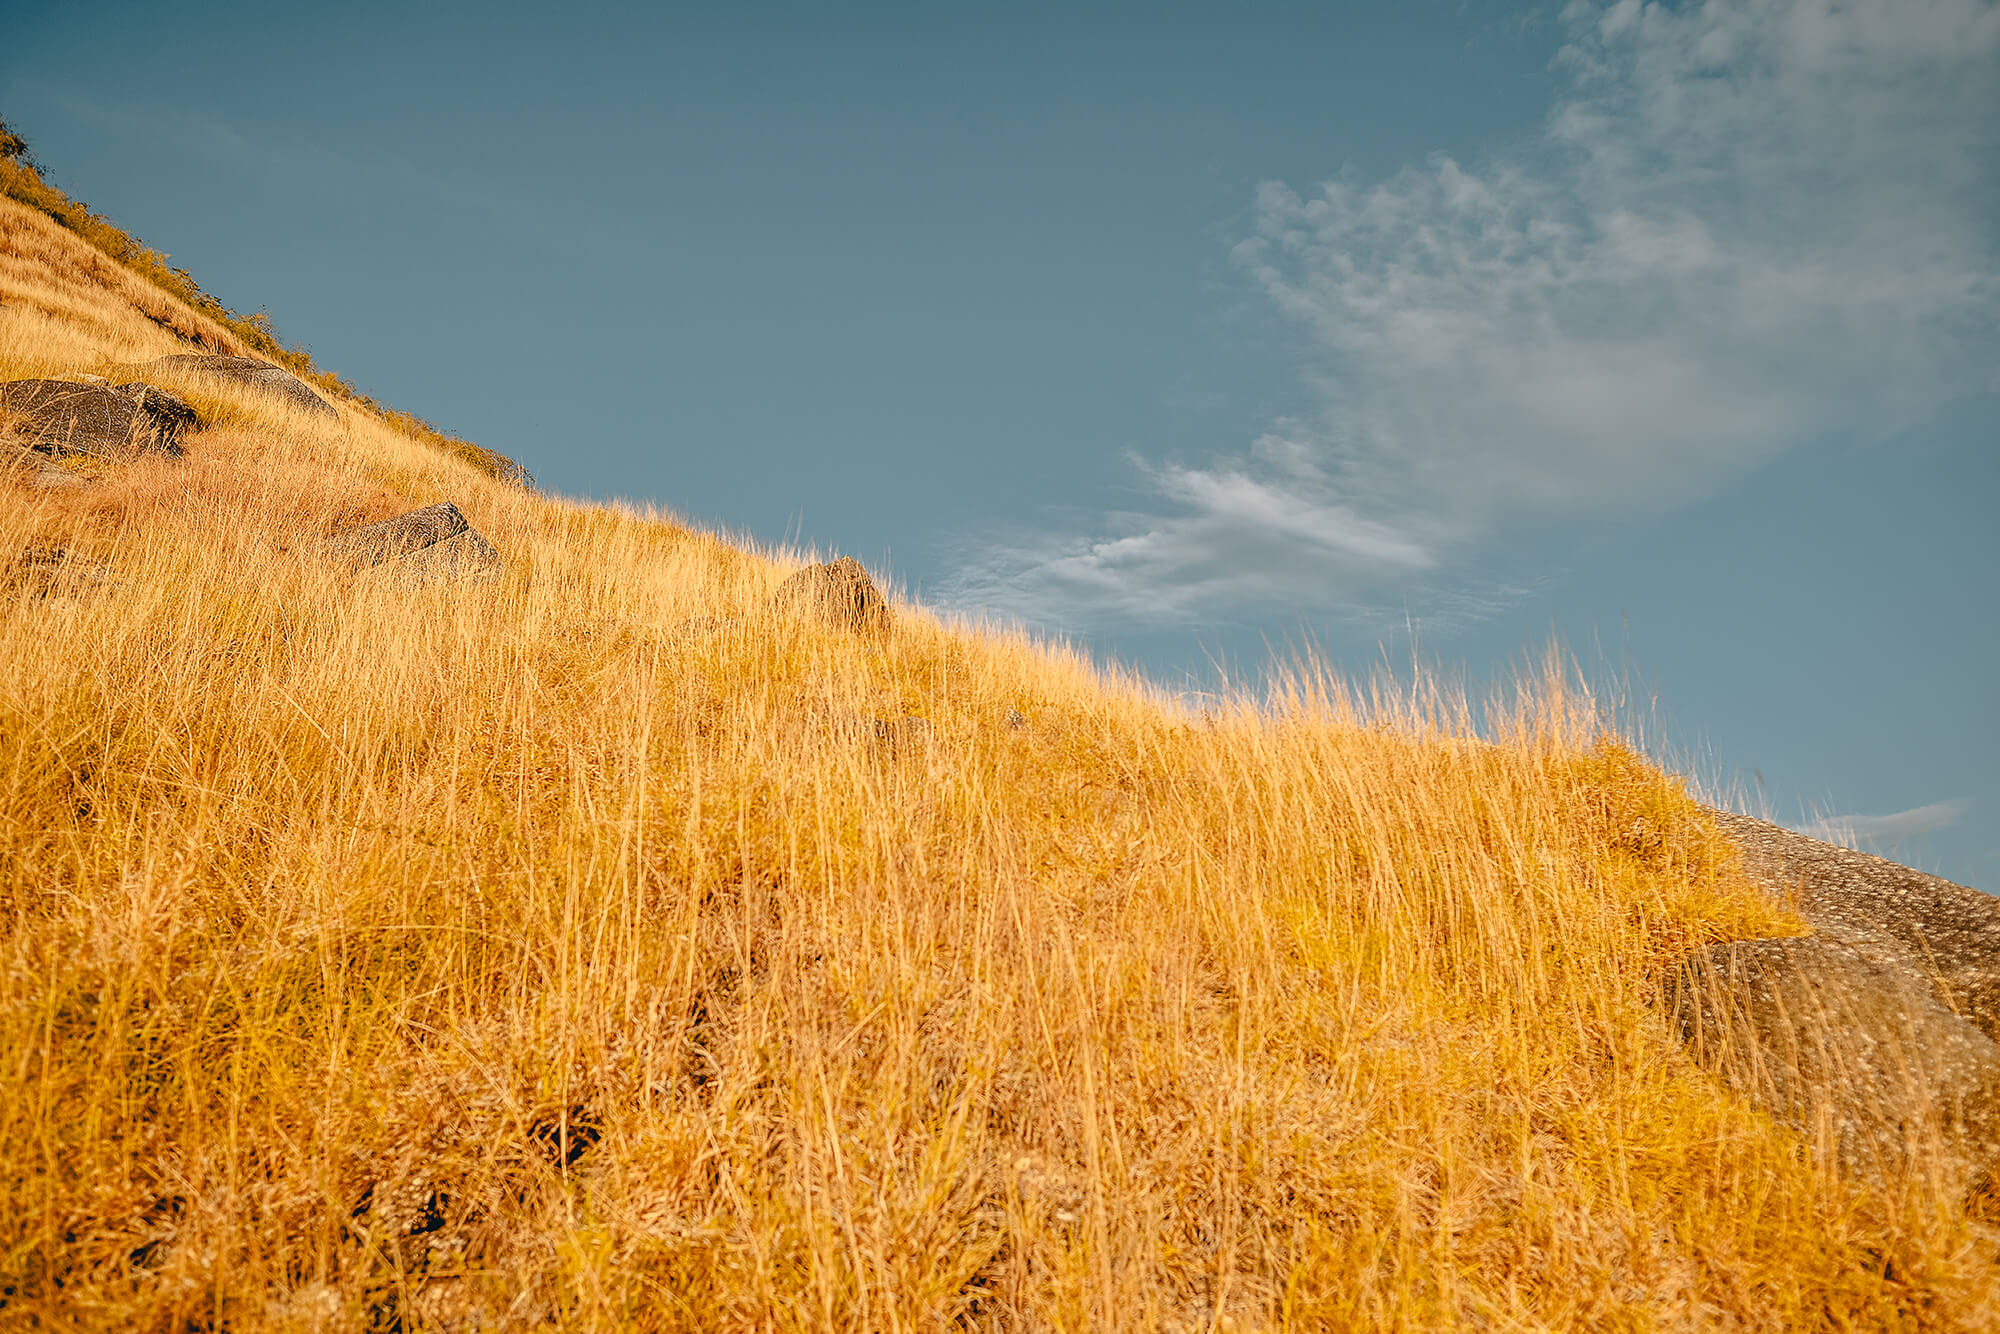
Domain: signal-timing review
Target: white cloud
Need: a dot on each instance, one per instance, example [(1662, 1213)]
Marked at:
[(1748, 224), (1888, 828)]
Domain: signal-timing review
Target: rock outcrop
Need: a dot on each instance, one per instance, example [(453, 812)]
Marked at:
[(431, 545), (122, 421), (1855, 1052), (1878, 1031), (249, 370), (1924, 924), (839, 592)]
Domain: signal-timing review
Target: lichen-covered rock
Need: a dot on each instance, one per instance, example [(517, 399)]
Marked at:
[(1876, 1034), (258, 374), (60, 417), (430, 545), (839, 592), (1850, 1049)]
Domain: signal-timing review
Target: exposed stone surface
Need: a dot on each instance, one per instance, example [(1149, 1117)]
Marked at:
[(172, 416), (251, 371), (107, 421), (1875, 1035), (399, 536), (431, 545), (839, 591), (1859, 1055), (464, 557), (1924, 924)]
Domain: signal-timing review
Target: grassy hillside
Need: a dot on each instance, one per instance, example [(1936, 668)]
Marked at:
[(191, 314), (511, 955)]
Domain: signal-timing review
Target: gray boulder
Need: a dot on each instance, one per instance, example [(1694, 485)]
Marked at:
[(1876, 1034), (1858, 1055), (463, 557), (60, 417), (839, 592), (249, 370), (1930, 927), (431, 545)]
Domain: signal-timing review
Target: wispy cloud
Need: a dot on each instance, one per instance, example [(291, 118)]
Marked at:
[(1748, 224), (1889, 828)]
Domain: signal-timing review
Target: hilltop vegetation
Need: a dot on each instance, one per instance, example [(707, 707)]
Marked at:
[(196, 317), (597, 946)]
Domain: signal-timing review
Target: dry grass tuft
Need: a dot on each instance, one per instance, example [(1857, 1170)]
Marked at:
[(515, 955)]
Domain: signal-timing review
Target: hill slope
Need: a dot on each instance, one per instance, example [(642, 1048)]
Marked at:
[(602, 946)]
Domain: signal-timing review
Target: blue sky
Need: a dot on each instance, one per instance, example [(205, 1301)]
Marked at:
[(1672, 331)]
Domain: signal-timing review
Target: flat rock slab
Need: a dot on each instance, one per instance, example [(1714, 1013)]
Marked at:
[(839, 592), (104, 421), (431, 545), (251, 371), (1926, 925), (1858, 1055)]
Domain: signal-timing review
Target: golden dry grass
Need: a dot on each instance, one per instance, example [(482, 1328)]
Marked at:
[(510, 956)]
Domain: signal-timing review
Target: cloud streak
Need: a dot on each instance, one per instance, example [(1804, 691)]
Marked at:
[(1747, 224), (1889, 828)]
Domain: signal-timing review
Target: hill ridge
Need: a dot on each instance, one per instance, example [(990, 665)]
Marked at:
[(635, 939)]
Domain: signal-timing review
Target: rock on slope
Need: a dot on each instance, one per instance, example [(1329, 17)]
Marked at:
[(431, 545), (839, 591), (250, 371), (103, 420), (1877, 1033)]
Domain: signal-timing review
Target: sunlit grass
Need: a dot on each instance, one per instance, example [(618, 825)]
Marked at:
[(514, 954)]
